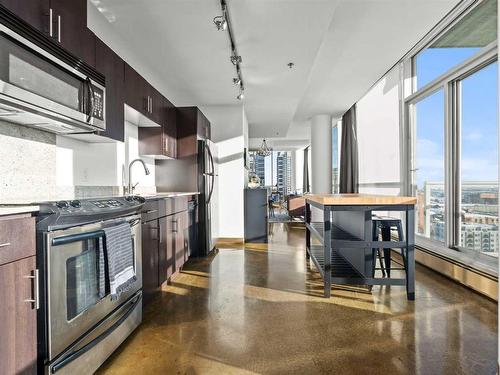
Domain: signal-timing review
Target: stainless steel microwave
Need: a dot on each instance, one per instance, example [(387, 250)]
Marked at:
[(39, 90)]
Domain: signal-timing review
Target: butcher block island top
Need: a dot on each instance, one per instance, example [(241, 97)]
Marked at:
[(359, 199)]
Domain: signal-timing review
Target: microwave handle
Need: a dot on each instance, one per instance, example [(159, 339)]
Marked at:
[(91, 99)]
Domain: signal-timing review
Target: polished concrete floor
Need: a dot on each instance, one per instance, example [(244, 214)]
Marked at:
[(258, 311)]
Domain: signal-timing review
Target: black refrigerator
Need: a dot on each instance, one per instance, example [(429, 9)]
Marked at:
[(189, 174)]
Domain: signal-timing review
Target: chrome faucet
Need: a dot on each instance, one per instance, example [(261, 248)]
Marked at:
[(146, 170)]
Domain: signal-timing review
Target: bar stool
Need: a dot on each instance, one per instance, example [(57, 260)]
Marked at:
[(383, 226)]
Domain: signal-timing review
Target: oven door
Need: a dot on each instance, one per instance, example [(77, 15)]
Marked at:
[(74, 306)]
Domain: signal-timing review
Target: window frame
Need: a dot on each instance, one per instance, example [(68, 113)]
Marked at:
[(450, 82)]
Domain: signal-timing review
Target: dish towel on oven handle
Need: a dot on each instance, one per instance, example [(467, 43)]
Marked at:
[(116, 253)]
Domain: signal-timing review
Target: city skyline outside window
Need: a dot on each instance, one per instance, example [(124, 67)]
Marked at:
[(476, 138), (479, 161), (274, 170), (429, 166)]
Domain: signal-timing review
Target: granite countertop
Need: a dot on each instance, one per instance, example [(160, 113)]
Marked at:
[(6, 209)]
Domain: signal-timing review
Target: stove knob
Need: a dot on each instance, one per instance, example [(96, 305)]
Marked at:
[(62, 204), (129, 198), (76, 204)]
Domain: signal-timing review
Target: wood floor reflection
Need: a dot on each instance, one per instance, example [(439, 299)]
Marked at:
[(259, 310)]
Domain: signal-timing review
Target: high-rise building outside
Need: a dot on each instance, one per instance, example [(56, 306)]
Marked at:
[(284, 173)]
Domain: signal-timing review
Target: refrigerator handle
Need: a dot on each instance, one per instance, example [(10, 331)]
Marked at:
[(212, 173)]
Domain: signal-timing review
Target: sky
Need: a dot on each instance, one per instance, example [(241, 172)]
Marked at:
[(479, 144)]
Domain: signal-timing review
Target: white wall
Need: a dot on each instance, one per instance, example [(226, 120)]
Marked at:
[(230, 133), (378, 137)]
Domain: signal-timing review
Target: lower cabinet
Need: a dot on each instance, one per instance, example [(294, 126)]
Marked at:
[(150, 261), (18, 296), (165, 243), (173, 251)]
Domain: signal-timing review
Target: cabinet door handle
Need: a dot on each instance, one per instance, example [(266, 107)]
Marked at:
[(36, 288), (149, 105), (51, 26), (4, 244), (149, 212), (59, 28)]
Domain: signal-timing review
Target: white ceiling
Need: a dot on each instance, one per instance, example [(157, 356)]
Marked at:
[(340, 49)]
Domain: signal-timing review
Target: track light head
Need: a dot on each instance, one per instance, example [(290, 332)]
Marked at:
[(237, 81), (220, 23), (241, 96), (236, 59)]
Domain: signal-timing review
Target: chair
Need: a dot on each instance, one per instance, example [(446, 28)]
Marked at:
[(383, 226)]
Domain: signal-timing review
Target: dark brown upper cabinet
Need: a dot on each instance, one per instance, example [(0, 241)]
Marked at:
[(141, 96), (64, 21), (69, 28), (34, 12), (191, 124), (112, 67), (160, 142)]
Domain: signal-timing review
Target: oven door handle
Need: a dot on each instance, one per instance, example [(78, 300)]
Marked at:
[(70, 358), (64, 240)]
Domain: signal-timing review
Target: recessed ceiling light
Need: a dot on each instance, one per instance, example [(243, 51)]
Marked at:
[(290, 65)]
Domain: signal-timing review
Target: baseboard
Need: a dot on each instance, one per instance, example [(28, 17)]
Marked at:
[(476, 281), (229, 242)]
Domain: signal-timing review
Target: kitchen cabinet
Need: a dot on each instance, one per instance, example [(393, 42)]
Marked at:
[(18, 295), (191, 125), (112, 67), (69, 28), (150, 250), (140, 95), (34, 12), (160, 142), (65, 22), (181, 234)]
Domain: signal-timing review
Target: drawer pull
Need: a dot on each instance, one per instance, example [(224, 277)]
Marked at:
[(36, 282), (149, 212), (5, 244)]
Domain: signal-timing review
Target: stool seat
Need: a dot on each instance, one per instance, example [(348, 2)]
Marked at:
[(383, 225)]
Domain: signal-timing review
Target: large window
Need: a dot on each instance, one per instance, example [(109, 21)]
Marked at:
[(465, 38), (454, 126), (274, 171), (479, 161), (429, 165)]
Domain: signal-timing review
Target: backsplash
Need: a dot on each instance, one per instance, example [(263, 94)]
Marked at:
[(39, 166)]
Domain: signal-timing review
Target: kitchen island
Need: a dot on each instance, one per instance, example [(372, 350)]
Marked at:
[(347, 244)]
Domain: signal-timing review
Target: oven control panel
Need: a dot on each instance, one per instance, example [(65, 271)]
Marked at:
[(107, 203), (87, 206)]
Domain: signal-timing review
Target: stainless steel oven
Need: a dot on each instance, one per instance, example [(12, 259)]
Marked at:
[(81, 328), (39, 90)]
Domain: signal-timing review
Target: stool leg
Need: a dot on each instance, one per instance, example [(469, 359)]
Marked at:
[(382, 267), (386, 236), (401, 238)]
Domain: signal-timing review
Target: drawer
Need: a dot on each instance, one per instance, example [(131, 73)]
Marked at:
[(17, 238), (150, 210)]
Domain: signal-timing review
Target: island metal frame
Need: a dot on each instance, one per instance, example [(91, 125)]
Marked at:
[(335, 240)]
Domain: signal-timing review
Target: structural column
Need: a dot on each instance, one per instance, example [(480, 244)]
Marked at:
[(321, 154)]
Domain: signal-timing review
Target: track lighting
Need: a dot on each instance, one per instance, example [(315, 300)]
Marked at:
[(220, 23), (223, 22), (236, 59)]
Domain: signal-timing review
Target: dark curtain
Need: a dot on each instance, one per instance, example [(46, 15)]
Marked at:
[(349, 172), (305, 178)]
